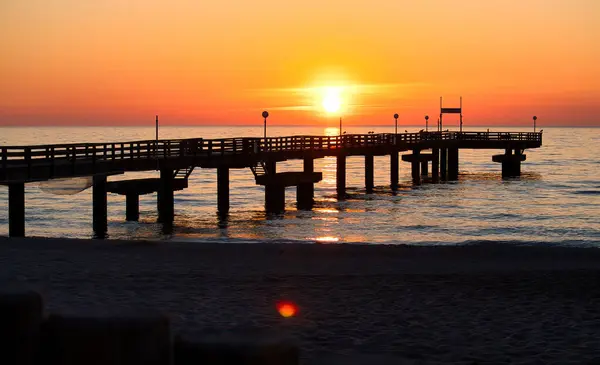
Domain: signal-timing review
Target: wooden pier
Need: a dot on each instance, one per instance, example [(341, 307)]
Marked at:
[(176, 160)]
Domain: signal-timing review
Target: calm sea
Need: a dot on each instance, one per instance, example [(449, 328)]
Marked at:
[(556, 200)]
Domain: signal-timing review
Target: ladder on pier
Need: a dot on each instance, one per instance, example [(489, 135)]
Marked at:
[(183, 174), (259, 169)]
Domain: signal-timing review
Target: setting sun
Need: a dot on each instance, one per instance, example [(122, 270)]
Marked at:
[(332, 100)]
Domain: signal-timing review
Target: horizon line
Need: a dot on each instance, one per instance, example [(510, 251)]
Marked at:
[(277, 125)]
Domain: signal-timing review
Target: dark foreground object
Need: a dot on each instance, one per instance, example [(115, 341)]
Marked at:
[(131, 339), (20, 322)]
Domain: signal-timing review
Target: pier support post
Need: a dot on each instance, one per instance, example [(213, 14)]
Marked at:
[(305, 193), (510, 169), (511, 164), (424, 168), (341, 176), (274, 198), (132, 207), (452, 163), (271, 167), (16, 209), (416, 177), (394, 170), (166, 211), (222, 190), (516, 167), (304, 196), (435, 165), (444, 163), (369, 164), (99, 208)]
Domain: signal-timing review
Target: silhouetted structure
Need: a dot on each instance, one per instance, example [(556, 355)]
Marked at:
[(176, 159)]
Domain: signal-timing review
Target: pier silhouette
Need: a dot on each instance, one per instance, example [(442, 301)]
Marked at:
[(434, 155)]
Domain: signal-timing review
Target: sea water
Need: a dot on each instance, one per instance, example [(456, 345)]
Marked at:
[(555, 201)]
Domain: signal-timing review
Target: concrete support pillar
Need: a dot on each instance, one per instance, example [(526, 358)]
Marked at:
[(304, 196), (511, 169), (274, 198), (341, 176), (516, 168), (16, 210), (424, 168), (166, 210), (435, 165), (99, 208), (132, 207), (309, 164), (305, 193), (271, 167), (452, 163), (444, 163), (416, 176), (511, 164), (222, 190), (394, 171), (369, 164)]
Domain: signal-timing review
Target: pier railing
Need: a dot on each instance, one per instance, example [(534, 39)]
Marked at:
[(152, 149)]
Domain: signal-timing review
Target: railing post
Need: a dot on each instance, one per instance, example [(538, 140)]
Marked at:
[(4, 157), (74, 152), (51, 157), (28, 160)]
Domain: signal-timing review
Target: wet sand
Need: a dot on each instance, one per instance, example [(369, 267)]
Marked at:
[(359, 304)]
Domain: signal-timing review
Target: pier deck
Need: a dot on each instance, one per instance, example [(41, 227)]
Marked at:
[(43, 162), (177, 158)]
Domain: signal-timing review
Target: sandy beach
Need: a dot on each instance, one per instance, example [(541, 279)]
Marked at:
[(358, 304)]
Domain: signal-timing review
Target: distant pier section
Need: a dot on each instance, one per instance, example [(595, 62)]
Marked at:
[(433, 157)]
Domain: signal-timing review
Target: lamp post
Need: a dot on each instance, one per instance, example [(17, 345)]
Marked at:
[(534, 119), (157, 129), (396, 118), (156, 144), (265, 115), (426, 123)]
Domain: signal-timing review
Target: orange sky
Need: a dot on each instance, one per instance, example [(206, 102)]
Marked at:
[(207, 62)]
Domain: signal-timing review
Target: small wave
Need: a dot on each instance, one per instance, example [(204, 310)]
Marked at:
[(433, 243), (586, 192)]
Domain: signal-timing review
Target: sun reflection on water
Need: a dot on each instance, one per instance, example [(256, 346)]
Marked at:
[(326, 210), (327, 239)]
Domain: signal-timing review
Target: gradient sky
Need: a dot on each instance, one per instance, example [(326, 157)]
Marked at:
[(118, 62)]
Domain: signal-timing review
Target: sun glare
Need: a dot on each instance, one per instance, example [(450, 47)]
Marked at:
[(332, 100)]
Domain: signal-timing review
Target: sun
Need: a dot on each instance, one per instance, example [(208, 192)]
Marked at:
[(332, 100)]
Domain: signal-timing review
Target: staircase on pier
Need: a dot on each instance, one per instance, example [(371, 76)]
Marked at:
[(183, 174), (259, 169)]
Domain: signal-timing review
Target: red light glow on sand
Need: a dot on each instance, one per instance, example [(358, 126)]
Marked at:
[(287, 309)]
